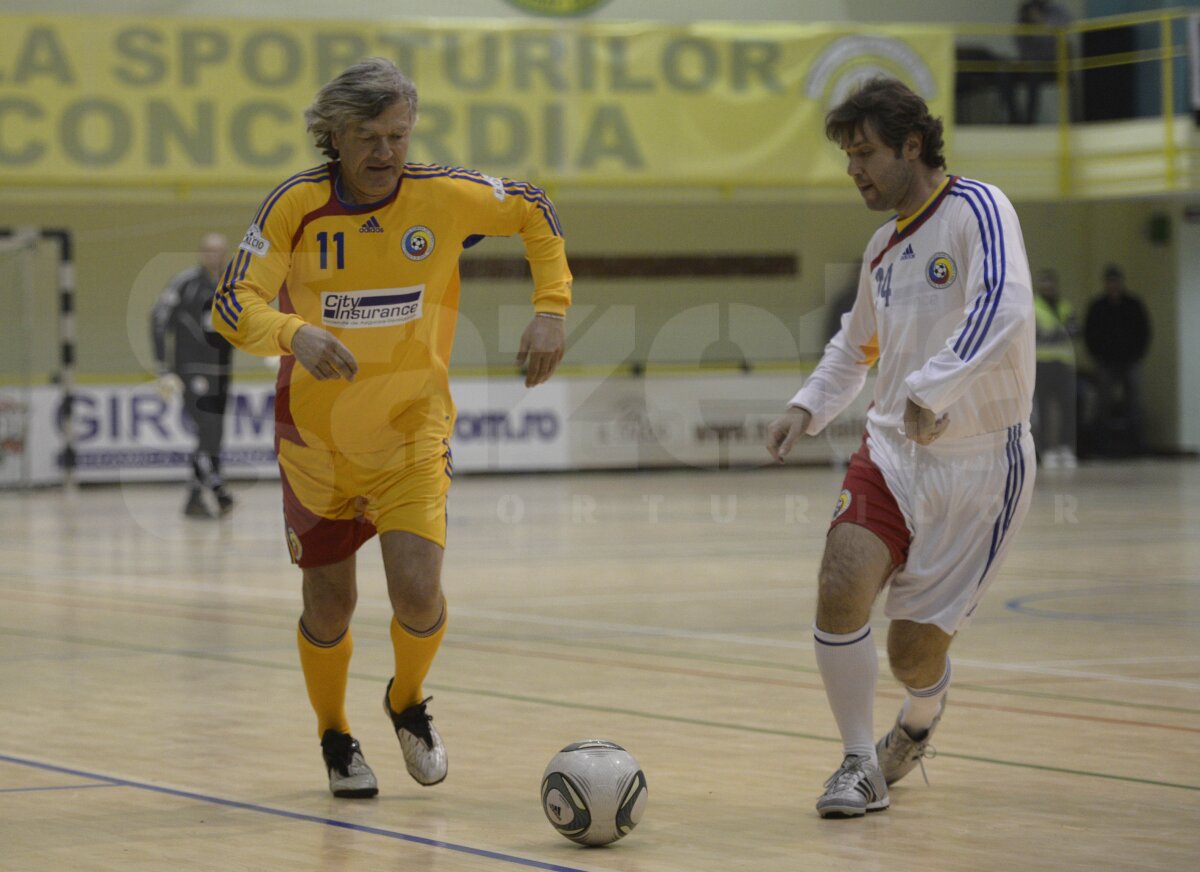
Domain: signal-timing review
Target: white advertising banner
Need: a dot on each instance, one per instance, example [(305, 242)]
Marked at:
[(504, 427), (14, 436), (130, 433), (702, 421)]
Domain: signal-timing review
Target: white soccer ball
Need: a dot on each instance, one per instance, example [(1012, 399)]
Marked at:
[(593, 792)]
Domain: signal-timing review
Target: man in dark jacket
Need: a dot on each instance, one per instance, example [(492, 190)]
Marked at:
[(1117, 333), (199, 367)]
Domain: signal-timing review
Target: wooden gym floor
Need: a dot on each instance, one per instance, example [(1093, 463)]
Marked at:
[(155, 716)]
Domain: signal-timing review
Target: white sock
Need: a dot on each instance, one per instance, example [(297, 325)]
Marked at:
[(922, 704), (849, 667)]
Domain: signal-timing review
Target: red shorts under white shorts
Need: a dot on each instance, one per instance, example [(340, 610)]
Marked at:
[(865, 500), (947, 512)]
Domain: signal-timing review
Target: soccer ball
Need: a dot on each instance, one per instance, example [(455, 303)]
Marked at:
[(593, 792)]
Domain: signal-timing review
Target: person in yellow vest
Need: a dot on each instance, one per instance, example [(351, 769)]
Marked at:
[(1054, 393)]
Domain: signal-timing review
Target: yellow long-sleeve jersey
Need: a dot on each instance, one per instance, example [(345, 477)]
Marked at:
[(384, 279)]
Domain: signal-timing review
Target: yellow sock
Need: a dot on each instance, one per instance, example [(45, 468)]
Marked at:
[(326, 667), (414, 655)]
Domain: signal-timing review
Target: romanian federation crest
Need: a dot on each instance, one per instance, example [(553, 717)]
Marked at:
[(418, 242), (941, 271), (294, 545)]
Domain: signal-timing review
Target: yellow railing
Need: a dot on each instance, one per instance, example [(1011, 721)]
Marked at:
[(1180, 161)]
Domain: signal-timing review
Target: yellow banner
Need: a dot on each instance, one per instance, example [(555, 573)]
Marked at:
[(135, 101)]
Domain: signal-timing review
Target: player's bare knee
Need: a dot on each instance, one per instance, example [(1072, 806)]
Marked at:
[(327, 611), (330, 596), (836, 595), (917, 653), (908, 667), (844, 593), (417, 601)]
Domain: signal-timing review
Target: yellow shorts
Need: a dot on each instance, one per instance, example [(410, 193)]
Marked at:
[(333, 503)]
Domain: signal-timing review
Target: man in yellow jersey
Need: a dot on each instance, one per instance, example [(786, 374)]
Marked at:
[(362, 255)]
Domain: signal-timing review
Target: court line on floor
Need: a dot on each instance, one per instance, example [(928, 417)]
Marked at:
[(56, 787), (1037, 669), (788, 666), (637, 630), (792, 734), (1123, 661), (801, 685), (663, 717), (651, 631), (802, 644), (291, 815), (127, 647)]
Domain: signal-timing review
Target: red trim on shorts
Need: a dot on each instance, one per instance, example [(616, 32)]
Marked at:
[(321, 541), (872, 505), (285, 424)]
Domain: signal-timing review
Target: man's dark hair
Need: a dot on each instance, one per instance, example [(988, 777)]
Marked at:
[(894, 112)]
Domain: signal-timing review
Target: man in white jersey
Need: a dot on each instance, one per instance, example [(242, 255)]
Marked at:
[(935, 495)]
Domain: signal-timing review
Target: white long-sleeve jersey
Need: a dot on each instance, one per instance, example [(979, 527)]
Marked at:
[(945, 304)]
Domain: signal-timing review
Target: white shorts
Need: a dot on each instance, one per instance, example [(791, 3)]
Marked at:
[(964, 502)]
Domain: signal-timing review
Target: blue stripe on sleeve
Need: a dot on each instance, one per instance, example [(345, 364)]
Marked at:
[(524, 190), (316, 174), (991, 232), (223, 310), (538, 196), (972, 325), (237, 271), (999, 262), (988, 243)]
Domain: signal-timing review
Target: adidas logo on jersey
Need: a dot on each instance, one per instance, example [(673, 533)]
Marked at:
[(909, 254), (371, 225)]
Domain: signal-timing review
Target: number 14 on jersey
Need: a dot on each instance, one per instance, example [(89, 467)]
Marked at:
[(883, 284)]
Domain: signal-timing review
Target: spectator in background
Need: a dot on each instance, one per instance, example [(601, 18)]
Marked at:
[(199, 368), (1117, 333), (1037, 53), (1054, 392)]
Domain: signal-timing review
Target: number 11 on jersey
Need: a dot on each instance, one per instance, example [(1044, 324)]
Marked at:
[(339, 243)]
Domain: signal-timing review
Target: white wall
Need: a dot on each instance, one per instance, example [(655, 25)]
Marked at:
[(1187, 246)]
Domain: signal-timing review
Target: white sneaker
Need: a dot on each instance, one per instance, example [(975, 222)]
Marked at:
[(1067, 459), (424, 753), (1050, 458), (349, 775), (855, 789), (899, 751)]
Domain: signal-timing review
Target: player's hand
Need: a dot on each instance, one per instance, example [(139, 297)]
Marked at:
[(320, 352), (921, 425), (169, 386), (541, 350), (785, 430)]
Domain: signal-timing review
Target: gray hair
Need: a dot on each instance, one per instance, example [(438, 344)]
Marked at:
[(360, 93)]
